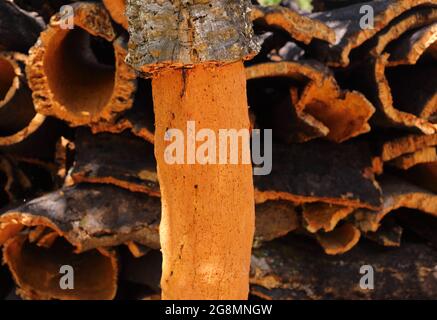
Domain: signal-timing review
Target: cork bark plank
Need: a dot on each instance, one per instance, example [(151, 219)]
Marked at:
[(321, 104), (339, 240), (122, 159), (396, 194), (68, 80), (346, 24), (389, 233), (298, 269), (299, 27), (323, 216), (274, 219), (38, 279), (395, 146), (90, 216), (426, 155), (140, 119), (299, 169)]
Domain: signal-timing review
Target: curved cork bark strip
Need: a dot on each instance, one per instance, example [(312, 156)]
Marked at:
[(410, 48), (211, 207), (119, 159), (346, 24), (397, 194), (323, 216), (117, 10), (340, 240), (302, 271), (407, 161), (413, 59), (320, 171), (35, 269), (417, 18), (411, 143), (68, 80), (344, 113), (389, 234), (18, 118), (388, 99), (139, 119), (92, 216), (274, 219), (19, 29), (297, 26)]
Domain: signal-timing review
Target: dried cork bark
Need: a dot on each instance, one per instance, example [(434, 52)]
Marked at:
[(396, 194), (321, 108), (346, 24), (77, 226), (119, 159), (196, 35), (299, 169), (68, 80), (290, 269)]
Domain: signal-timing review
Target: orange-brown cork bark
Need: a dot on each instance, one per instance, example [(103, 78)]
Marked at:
[(72, 81), (207, 224), (117, 10)]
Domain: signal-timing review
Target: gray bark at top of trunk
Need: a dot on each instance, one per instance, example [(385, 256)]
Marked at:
[(175, 33)]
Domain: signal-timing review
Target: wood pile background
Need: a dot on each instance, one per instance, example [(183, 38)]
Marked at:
[(354, 179)]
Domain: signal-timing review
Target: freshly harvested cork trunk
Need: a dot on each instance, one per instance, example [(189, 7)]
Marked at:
[(194, 54), (208, 218)]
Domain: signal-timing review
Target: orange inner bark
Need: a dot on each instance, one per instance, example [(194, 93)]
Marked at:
[(208, 210)]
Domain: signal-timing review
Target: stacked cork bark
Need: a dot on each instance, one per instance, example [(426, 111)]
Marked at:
[(354, 175)]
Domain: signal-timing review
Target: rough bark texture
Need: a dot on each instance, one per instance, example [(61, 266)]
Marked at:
[(323, 216), (340, 240), (139, 119), (397, 194), (35, 268), (66, 77), (291, 269), (275, 219), (91, 216), (319, 171), (346, 23), (18, 118), (298, 26), (322, 105), (123, 160), (187, 33), (207, 210)]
